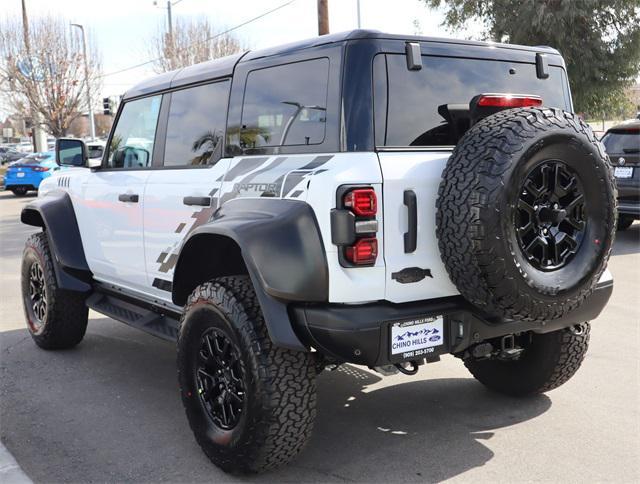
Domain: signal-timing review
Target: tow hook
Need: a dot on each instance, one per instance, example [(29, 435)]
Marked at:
[(508, 349), (403, 369)]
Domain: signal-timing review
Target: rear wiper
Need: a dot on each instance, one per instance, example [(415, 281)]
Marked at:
[(631, 150)]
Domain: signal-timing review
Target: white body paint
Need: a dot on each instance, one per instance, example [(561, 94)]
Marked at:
[(123, 242)]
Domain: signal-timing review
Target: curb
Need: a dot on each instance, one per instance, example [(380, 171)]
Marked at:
[(10, 470)]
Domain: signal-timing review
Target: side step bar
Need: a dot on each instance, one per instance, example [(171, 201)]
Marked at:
[(155, 323)]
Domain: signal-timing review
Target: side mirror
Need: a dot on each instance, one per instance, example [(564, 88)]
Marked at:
[(71, 152)]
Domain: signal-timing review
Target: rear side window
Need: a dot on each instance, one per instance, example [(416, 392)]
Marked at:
[(407, 102), (285, 105), (619, 142), (195, 130)]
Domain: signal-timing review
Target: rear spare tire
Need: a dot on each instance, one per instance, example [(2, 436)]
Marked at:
[(526, 214)]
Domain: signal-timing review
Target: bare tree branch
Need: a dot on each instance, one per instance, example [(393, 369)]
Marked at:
[(193, 41), (49, 78)]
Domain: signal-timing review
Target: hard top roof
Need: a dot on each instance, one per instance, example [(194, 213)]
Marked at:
[(224, 66)]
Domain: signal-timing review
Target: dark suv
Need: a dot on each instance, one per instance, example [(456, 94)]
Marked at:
[(622, 143)]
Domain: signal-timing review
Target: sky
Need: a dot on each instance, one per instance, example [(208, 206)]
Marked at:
[(121, 29)]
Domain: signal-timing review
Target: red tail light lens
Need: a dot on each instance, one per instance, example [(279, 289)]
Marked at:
[(40, 168), (362, 202), (364, 251), (509, 101)]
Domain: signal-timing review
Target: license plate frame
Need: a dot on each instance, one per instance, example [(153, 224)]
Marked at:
[(623, 172), (20, 174), (417, 338)]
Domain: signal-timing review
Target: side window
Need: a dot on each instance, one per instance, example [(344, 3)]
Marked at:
[(195, 129), (285, 105), (132, 141)]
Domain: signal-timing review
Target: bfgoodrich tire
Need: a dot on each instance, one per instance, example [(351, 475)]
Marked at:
[(56, 319), (526, 214), (251, 406), (548, 361)]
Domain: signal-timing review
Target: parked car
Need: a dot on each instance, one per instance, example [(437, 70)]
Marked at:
[(362, 198), (622, 143), (27, 173), (8, 155)]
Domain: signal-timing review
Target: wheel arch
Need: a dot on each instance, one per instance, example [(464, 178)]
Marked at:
[(54, 213), (276, 242)]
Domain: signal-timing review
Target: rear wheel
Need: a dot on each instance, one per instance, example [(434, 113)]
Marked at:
[(19, 191), (624, 222), (56, 319), (251, 406), (548, 361)]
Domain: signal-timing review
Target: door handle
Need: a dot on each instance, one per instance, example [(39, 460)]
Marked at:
[(411, 235), (128, 197), (201, 201)]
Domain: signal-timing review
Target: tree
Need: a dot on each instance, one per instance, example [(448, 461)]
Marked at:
[(191, 42), (599, 39), (47, 73)]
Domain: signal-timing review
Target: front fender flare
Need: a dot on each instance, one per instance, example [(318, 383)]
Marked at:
[(55, 214)]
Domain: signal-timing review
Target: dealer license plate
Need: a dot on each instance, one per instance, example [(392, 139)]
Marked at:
[(623, 171), (416, 338), (20, 174)]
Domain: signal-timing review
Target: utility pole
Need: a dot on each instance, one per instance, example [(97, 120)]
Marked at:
[(38, 136), (358, 7), (86, 80), (323, 17)]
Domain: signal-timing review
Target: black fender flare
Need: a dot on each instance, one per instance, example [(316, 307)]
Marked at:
[(282, 249), (55, 214)]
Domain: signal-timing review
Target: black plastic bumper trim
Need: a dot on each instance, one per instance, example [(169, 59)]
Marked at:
[(360, 333)]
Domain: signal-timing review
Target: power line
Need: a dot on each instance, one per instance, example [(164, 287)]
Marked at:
[(264, 14)]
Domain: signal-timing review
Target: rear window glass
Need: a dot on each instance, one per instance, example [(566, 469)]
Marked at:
[(620, 142), (406, 102), (285, 105), (197, 119)]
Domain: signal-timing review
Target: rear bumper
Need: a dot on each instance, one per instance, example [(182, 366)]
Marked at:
[(8, 185), (360, 333)]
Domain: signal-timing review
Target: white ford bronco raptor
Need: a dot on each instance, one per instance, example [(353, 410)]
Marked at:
[(356, 198)]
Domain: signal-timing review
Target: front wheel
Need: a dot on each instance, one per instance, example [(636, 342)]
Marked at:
[(251, 405), (548, 361), (19, 191), (56, 319)]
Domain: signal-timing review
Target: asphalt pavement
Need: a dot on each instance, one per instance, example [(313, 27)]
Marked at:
[(109, 410)]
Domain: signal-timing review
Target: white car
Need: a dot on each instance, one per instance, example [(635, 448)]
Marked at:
[(358, 198)]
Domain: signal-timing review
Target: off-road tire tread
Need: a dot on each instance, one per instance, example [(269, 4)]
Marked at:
[(288, 382), (467, 222), (558, 357), (68, 314)]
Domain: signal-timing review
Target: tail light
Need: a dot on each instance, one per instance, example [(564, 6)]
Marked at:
[(362, 202), (363, 252), (508, 101), (40, 168), (360, 207)]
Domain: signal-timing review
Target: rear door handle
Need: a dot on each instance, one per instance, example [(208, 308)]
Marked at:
[(201, 201), (411, 235), (128, 197)]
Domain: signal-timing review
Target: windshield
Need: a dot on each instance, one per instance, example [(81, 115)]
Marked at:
[(618, 142)]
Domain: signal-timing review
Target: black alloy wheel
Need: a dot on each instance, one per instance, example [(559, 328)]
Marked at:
[(220, 379), (37, 297), (550, 220)]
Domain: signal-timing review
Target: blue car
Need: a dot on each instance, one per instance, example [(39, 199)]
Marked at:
[(27, 173)]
